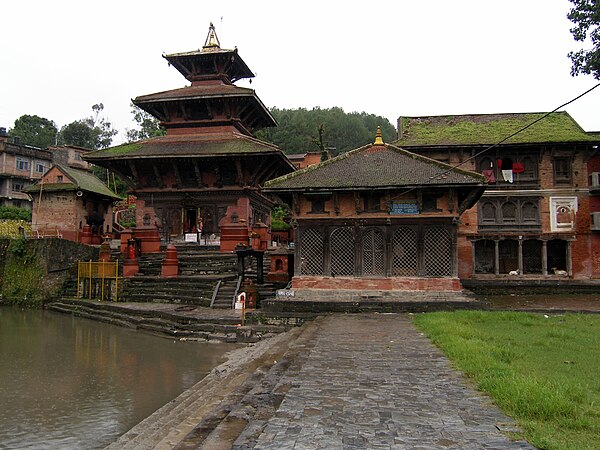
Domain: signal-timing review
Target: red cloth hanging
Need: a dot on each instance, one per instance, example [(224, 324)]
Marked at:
[(518, 167), (499, 164)]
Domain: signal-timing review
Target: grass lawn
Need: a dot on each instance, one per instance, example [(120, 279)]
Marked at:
[(544, 371)]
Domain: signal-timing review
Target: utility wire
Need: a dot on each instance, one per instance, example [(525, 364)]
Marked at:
[(497, 143)]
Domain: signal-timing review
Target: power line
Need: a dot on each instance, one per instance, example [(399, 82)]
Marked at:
[(430, 179)]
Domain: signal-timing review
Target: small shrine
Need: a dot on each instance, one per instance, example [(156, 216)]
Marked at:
[(201, 180)]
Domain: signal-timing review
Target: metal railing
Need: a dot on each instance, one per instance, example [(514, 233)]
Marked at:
[(92, 277)]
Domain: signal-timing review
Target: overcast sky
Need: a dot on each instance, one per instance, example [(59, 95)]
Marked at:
[(389, 58)]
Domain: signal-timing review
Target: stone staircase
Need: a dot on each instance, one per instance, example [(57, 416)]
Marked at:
[(205, 325)]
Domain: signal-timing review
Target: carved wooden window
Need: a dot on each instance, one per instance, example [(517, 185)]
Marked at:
[(509, 212), (562, 171), (311, 252), (437, 245), (529, 212), (372, 202), (404, 248), (488, 212), (342, 252), (373, 252)]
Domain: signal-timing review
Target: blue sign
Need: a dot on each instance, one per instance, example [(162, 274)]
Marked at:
[(398, 208)]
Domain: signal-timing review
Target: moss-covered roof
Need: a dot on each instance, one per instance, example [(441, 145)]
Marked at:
[(374, 166), (79, 180), (196, 145), (488, 129)]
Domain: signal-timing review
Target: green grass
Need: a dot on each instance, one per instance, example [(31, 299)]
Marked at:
[(542, 371)]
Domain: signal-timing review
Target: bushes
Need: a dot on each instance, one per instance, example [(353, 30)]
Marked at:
[(14, 213)]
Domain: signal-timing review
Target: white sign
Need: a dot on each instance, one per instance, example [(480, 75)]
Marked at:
[(191, 237), (285, 293)]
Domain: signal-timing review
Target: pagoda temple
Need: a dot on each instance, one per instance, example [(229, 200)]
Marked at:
[(203, 177)]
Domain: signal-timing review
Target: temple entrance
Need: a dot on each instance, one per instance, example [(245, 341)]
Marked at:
[(190, 221)]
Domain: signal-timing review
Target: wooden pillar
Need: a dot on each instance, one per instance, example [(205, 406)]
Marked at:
[(544, 257), (496, 257), (569, 262), (520, 255)]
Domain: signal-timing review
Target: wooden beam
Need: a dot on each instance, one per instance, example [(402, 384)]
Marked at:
[(336, 203), (260, 166), (296, 202), (357, 203), (240, 172), (157, 174), (451, 200), (198, 173), (177, 174)]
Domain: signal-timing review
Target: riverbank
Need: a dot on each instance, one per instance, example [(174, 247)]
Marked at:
[(341, 381)]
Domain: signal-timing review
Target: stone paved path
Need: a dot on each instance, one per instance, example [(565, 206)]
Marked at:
[(373, 381)]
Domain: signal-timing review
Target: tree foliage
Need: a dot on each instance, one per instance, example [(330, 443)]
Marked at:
[(585, 15), (93, 132), (298, 130), (35, 130), (14, 213), (149, 126)]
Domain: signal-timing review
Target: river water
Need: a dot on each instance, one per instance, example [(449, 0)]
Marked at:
[(67, 382)]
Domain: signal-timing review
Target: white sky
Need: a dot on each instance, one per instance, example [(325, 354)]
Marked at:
[(388, 58)]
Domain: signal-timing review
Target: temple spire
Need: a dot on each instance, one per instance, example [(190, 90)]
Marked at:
[(378, 138), (212, 41)]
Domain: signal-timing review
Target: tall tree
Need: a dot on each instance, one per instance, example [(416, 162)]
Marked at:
[(585, 14), (35, 130), (93, 132), (298, 130), (149, 126)]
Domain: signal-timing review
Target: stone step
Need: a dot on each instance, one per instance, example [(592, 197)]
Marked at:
[(223, 329)]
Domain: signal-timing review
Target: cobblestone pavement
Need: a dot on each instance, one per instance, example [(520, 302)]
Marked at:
[(373, 381)]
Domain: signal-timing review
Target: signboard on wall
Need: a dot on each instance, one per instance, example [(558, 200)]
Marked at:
[(404, 207), (191, 237)]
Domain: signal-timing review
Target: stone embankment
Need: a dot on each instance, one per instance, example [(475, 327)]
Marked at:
[(344, 381), (186, 322)]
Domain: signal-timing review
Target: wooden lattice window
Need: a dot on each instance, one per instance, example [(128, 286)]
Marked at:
[(404, 248), (311, 252), (562, 171), (485, 251), (437, 246), (529, 212), (488, 212), (509, 212), (373, 253), (532, 256), (342, 252)]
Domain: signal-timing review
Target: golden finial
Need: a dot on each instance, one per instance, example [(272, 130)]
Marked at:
[(212, 41), (378, 139)]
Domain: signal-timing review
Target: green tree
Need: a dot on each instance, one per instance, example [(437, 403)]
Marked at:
[(149, 126), (93, 132), (585, 14), (298, 130), (35, 130)]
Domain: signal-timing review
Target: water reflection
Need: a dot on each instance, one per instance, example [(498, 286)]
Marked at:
[(67, 382)]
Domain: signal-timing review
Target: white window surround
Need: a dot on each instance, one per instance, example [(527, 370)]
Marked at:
[(562, 214)]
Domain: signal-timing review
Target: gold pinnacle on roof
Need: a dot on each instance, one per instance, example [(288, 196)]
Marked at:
[(212, 41), (378, 139)]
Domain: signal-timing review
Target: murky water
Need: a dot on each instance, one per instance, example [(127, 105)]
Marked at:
[(67, 382)]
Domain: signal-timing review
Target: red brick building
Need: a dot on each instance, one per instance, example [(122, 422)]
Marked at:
[(534, 217), (377, 218), (205, 174), (66, 200)]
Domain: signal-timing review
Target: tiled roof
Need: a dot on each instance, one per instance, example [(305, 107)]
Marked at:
[(201, 91), (194, 145), (80, 180), (375, 166), (488, 129)]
